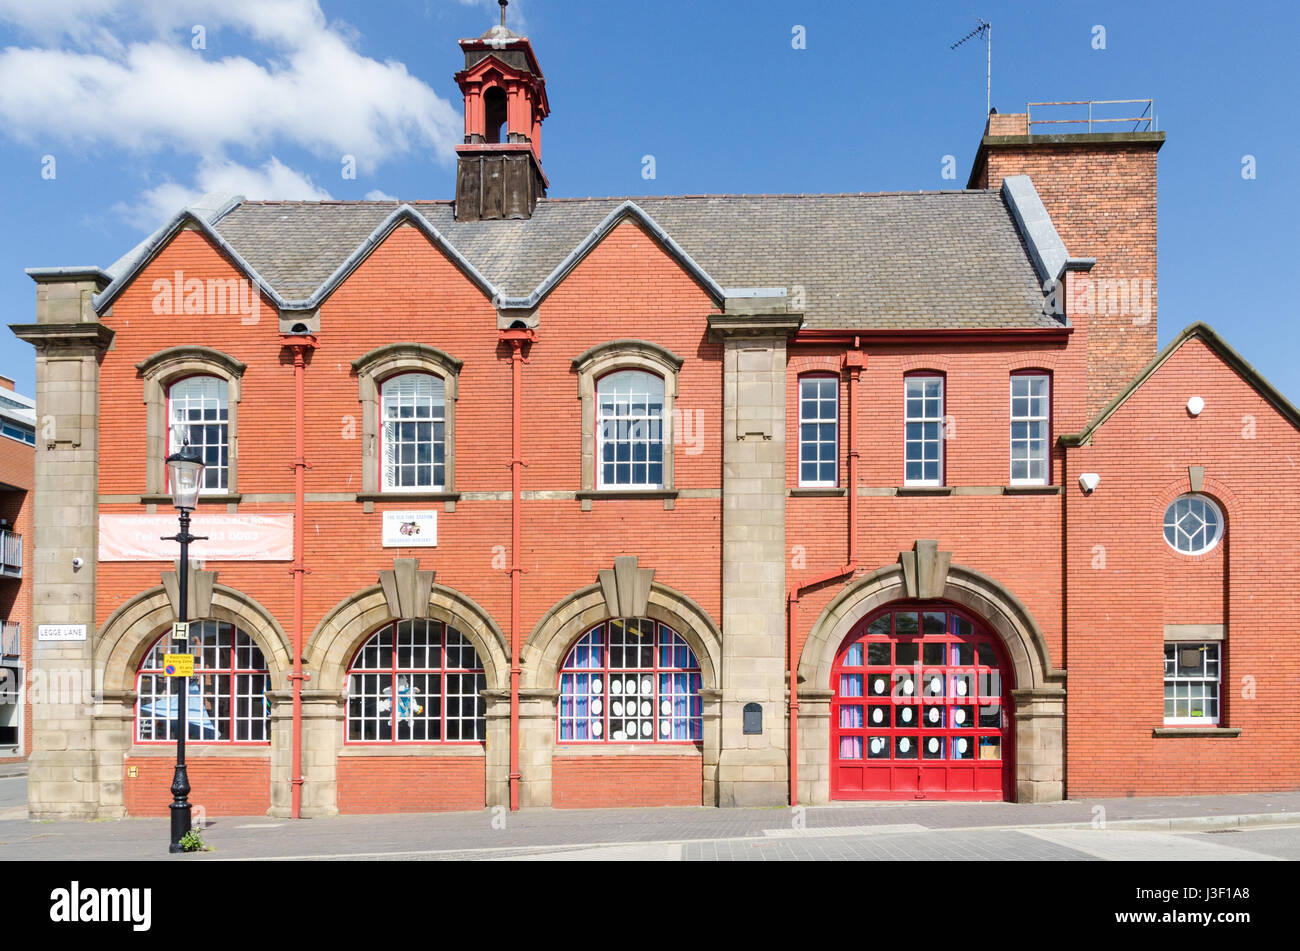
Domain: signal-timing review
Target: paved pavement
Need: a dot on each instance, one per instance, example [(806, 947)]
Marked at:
[(1248, 827)]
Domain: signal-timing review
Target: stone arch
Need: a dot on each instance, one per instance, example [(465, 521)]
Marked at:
[(546, 646), (337, 637), (545, 649), (132, 629), (1039, 693)]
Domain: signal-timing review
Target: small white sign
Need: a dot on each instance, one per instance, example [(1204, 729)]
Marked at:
[(411, 529), (180, 630), (61, 632)]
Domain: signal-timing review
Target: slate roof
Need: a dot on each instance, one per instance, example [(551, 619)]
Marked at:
[(915, 260)]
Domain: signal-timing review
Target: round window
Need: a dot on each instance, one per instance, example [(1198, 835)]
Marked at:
[(1193, 524)]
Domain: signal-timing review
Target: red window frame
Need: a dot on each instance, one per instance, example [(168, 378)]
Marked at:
[(393, 670), (1051, 423), (654, 672), (231, 672), (942, 377), (894, 700)]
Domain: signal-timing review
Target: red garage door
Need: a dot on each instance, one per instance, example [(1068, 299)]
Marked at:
[(922, 708)]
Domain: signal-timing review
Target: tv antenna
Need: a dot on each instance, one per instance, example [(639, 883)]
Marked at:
[(985, 29)]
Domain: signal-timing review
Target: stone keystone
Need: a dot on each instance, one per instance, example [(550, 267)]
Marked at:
[(407, 589), (626, 587), (925, 569), (200, 590)]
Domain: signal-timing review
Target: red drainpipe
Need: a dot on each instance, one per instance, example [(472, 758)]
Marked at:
[(517, 339), (299, 344), (855, 361)]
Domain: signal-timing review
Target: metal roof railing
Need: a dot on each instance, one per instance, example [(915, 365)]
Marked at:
[(1144, 121)]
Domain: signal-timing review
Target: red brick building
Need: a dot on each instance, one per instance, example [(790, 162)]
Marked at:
[(17, 453), (514, 499)]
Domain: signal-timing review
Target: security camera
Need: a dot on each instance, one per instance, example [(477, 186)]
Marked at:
[(77, 562)]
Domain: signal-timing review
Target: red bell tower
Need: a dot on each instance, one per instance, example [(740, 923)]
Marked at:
[(499, 168)]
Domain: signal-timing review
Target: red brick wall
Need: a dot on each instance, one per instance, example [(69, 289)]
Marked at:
[(17, 462), (374, 784), (222, 786), (1118, 609), (606, 782)]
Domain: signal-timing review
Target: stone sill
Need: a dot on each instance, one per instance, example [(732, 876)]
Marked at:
[(628, 749), (408, 496), (202, 500), (816, 492), (1215, 731), (413, 749), (587, 494), (193, 751), (924, 490), (1031, 490)]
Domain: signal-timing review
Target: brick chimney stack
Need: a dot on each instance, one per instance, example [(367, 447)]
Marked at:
[(1100, 189)]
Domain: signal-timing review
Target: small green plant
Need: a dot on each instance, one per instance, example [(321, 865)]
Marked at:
[(192, 841)]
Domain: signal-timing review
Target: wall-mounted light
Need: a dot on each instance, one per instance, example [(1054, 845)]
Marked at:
[(1195, 405), (1089, 481)]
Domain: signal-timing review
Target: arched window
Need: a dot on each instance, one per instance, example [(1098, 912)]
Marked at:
[(413, 411), (199, 414), (630, 681), (630, 430), (227, 693), (1193, 524), (416, 682)]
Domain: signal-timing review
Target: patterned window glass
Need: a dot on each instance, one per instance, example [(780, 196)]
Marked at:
[(630, 431), (416, 682), (227, 694), (1030, 411), (1193, 524), (630, 681), (199, 414), (413, 413)]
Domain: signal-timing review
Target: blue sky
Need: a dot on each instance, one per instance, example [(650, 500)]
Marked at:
[(138, 121)]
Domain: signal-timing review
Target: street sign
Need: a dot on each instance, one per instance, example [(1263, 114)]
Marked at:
[(178, 665), (181, 631)]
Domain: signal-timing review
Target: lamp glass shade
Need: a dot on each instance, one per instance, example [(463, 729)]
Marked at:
[(185, 475)]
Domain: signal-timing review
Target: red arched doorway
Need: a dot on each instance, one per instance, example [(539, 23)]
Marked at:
[(922, 708)]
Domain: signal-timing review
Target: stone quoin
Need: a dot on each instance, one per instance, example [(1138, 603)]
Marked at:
[(725, 500)]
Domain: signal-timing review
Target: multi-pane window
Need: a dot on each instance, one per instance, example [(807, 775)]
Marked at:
[(1030, 420), (630, 431), (1192, 675), (414, 433), (1193, 524), (923, 430), (199, 414), (227, 700), (819, 407), (630, 680), (416, 682)]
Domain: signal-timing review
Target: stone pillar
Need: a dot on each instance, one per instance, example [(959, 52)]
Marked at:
[(322, 738), (711, 717), (114, 725), (498, 747), (1040, 744), (752, 769), (69, 342), (536, 744), (815, 745)]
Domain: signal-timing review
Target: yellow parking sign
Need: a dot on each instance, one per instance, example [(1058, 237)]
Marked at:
[(178, 665)]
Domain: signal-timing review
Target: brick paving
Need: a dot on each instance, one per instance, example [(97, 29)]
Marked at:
[(857, 831)]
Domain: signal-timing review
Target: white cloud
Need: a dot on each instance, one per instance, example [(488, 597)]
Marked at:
[(273, 180), (514, 13), (379, 195)]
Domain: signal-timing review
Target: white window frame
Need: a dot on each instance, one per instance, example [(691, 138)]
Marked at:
[(1211, 676), (388, 445), (924, 419), (1045, 420), (817, 403), (654, 423), (216, 478), (1169, 522)]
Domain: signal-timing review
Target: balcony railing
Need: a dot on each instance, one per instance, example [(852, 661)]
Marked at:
[(11, 554), (11, 643)]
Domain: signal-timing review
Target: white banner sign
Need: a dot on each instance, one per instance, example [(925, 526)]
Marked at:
[(228, 538), (411, 529), (61, 632)]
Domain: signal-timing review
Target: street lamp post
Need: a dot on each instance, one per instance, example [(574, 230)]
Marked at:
[(185, 472)]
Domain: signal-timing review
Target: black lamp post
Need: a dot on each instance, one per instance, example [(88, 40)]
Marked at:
[(185, 473)]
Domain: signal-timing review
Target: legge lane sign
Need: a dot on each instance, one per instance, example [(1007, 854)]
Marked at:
[(228, 538)]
